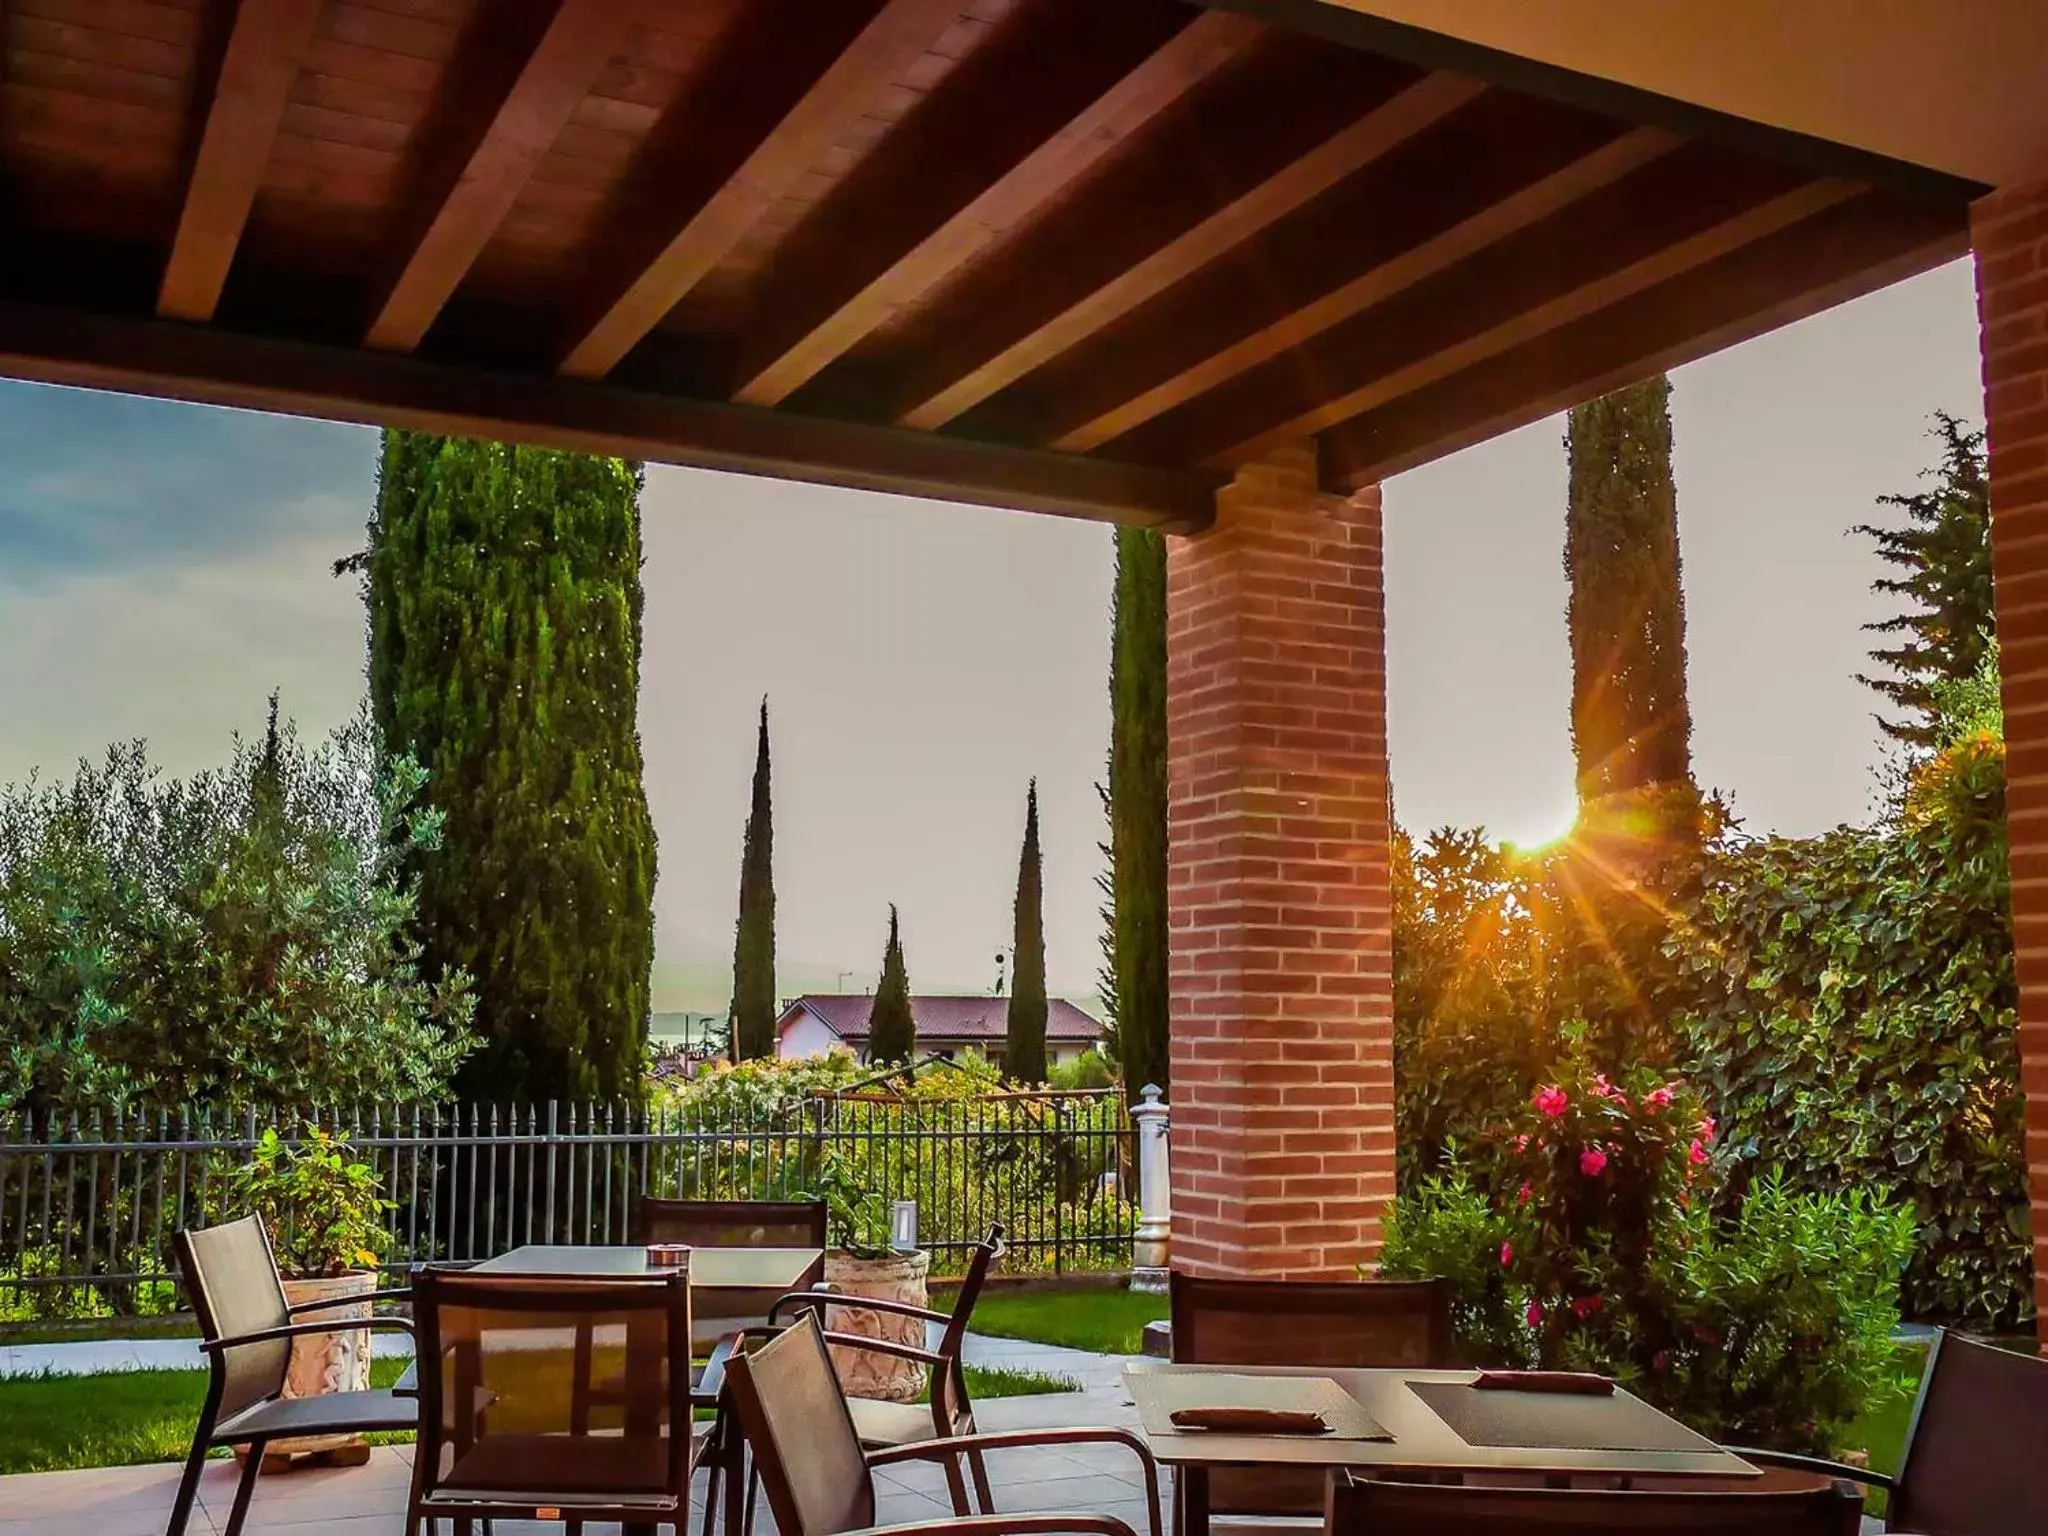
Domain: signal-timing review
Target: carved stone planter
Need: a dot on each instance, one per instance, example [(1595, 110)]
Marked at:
[(326, 1362), (900, 1277)]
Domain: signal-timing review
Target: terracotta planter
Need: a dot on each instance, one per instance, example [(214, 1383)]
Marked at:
[(327, 1362), (900, 1277)]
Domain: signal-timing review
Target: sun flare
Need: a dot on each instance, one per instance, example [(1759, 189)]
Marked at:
[(1543, 828)]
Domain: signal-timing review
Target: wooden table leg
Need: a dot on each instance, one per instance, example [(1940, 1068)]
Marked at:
[(1191, 1501)]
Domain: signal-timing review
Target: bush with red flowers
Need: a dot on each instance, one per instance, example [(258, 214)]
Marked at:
[(1770, 1325)]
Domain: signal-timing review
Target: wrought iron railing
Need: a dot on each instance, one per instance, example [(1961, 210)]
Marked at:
[(88, 1202)]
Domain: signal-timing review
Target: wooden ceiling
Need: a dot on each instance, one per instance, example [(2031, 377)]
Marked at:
[(1077, 256)]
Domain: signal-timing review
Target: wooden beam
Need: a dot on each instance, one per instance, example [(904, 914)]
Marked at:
[(264, 50), (1731, 234), (1043, 99), (462, 202), (883, 50), (1537, 201), (1426, 102), (225, 368), (1847, 250)]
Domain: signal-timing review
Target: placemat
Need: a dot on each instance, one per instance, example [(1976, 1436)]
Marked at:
[(1555, 1421), (1161, 1394)]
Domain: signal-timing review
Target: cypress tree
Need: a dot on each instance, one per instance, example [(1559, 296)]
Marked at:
[(1639, 811), (1135, 996), (892, 1028), (753, 960), (1631, 726), (504, 598), (1945, 551), (1024, 1042)]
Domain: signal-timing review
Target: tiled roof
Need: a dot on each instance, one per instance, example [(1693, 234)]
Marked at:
[(944, 1018)]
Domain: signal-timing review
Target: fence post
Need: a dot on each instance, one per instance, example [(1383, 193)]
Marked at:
[(1151, 1254)]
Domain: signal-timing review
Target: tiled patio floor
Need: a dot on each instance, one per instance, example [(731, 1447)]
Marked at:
[(370, 1500)]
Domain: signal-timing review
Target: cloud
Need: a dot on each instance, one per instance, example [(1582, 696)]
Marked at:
[(98, 484)]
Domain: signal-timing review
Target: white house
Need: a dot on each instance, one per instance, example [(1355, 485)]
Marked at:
[(820, 1022)]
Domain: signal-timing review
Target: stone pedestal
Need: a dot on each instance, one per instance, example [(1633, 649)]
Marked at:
[(326, 1362), (900, 1277)]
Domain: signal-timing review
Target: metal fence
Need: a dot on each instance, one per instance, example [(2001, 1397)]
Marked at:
[(88, 1203)]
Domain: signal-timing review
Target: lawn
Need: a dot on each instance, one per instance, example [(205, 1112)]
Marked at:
[(56, 1423), (1107, 1321)]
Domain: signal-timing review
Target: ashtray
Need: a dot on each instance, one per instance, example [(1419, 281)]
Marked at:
[(668, 1255)]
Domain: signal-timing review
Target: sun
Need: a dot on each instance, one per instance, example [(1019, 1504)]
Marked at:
[(1542, 827)]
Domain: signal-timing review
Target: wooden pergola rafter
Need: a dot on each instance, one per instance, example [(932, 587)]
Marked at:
[(1032, 253)]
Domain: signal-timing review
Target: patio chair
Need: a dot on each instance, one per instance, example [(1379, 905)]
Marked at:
[(1976, 1447), (950, 1413), (732, 1223), (819, 1480), (1358, 1507), (511, 1426), (729, 1224), (1347, 1324), (246, 1328)]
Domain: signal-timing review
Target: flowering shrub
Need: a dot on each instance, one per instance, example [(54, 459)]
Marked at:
[(1770, 1326)]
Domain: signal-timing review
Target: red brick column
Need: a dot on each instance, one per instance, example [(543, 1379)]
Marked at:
[(2010, 232), (1278, 896)]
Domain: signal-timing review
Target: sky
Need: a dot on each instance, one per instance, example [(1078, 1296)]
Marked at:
[(163, 567)]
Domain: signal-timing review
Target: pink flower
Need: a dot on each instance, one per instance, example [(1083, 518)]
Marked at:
[(1522, 1143), (1522, 1197), (1586, 1306), (1697, 1153), (1707, 1129), (1551, 1101), (1507, 1254), (1534, 1316), (1601, 1086), (1592, 1162), (1658, 1098)]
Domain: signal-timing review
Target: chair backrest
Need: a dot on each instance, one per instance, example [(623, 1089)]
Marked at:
[(535, 1387), (1976, 1456), (949, 1384), (798, 1427), (1356, 1507), (1350, 1323), (1355, 1323), (979, 1263), (732, 1223), (231, 1276)]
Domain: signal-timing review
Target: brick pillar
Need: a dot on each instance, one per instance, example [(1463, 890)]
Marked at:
[(1278, 881), (2009, 230)]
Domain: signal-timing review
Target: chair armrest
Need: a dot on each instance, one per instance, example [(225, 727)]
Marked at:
[(1049, 1524), (1793, 1462), (297, 1330), (884, 1347), (398, 1293), (849, 1299)]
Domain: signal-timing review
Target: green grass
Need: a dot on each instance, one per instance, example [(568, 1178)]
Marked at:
[(57, 1423), (1110, 1322)]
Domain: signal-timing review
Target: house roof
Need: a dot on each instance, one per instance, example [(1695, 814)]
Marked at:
[(943, 1018)]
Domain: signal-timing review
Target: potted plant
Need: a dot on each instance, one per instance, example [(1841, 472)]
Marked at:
[(325, 1216), (861, 1262)]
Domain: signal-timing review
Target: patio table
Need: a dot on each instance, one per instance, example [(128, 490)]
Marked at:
[(731, 1289), (1413, 1435)]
